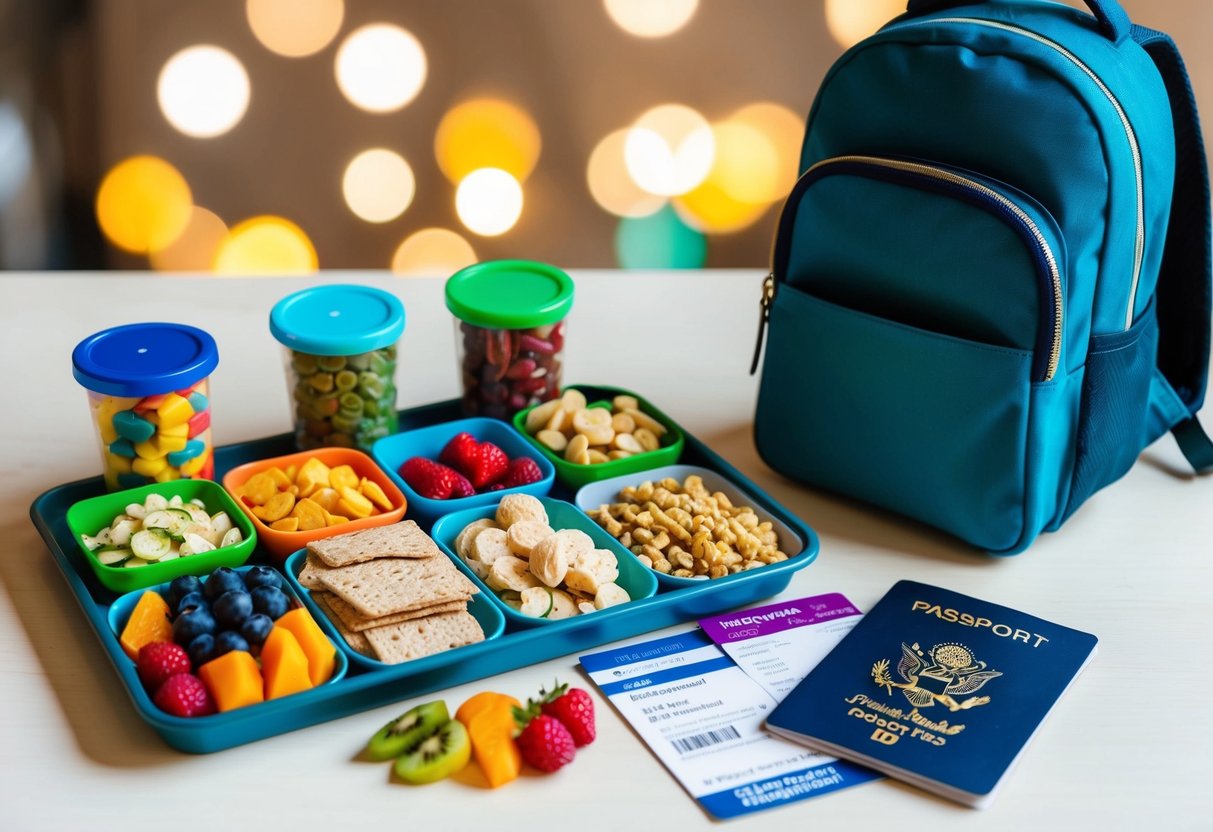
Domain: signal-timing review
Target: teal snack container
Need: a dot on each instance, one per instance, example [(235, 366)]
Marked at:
[(340, 356), (149, 399), (510, 333)]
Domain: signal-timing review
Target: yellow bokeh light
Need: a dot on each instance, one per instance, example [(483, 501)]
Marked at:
[(850, 21), (734, 194), (669, 150), (432, 251), (295, 28), (266, 245), (143, 204), (380, 67), (651, 18), (194, 250), (489, 201), (203, 91), (610, 184), (378, 185), (487, 133), (784, 129)]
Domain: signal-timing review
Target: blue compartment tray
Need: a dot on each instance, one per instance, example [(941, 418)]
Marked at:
[(372, 684)]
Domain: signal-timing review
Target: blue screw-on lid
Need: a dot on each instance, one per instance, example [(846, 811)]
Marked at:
[(342, 319), (144, 359)]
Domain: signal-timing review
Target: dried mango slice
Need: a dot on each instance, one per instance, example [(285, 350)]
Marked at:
[(342, 477), (374, 493), (281, 480), (353, 504), (259, 488), (326, 498), (311, 516), (279, 506), (334, 519), (286, 524), (312, 476)]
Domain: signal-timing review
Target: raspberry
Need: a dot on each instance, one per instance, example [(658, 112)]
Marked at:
[(575, 710), (523, 471), (546, 744), (184, 695), (158, 661)]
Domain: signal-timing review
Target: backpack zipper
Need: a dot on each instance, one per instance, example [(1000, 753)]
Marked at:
[(1140, 237), (998, 200)]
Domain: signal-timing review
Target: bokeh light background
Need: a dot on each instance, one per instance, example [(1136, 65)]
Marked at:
[(282, 136)]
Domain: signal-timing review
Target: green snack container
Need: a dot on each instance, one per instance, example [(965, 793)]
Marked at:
[(340, 356), (575, 476), (510, 333)]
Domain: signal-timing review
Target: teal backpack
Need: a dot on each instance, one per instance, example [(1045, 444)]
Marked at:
[(990, 288)]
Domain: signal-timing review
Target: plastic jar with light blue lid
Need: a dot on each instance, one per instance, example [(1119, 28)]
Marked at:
[(149, 397), (340, 351)]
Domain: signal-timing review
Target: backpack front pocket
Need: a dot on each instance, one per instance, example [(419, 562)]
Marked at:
[(918, 313)]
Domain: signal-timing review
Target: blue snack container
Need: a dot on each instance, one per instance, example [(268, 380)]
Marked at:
[(340, 344)]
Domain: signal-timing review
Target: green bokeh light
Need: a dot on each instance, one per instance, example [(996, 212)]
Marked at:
[(659, 241)]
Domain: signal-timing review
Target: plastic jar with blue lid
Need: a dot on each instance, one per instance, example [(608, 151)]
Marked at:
[(510, 332), (340, 344), (150, 401)]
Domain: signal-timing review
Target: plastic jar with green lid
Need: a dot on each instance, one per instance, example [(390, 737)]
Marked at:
[(340, 351), (510, 333), (148, 394)]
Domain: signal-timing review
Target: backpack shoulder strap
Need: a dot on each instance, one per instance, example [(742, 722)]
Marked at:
[(1185, 282)]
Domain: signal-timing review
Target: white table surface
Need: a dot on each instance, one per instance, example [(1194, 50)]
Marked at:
[(1132, 743)]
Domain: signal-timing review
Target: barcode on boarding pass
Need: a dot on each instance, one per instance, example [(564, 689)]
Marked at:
[(698, 741)]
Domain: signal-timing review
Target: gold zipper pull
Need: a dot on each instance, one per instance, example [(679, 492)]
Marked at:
[(764, 305)]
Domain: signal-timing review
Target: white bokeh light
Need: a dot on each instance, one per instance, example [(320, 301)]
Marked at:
[(203, 91), (652, 18), (378, 185), (489, 201), (669, 150), (380, 67)]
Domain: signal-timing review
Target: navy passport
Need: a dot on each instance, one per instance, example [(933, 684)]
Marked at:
[(937, 689)]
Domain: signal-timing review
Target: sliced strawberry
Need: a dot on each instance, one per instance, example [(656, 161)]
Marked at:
[(457, 450), (486, 464), (522, 471), (430, 479)]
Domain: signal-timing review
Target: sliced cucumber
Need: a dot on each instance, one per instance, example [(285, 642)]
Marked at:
[(198, 515), (113, 557), (537, 602), (154, 502), (136, 510), (173, 520), (194, 544), (231, 537), (131, 563), (103, 537), (120, 533), (175, 501), (220, 523), (197, 502), (151, 544), (91, 543)]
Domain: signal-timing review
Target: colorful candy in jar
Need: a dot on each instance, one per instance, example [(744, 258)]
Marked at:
[(510, 334), (150, 401), (340, 345)]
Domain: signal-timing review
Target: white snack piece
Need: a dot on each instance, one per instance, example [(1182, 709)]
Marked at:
[(515, 508)]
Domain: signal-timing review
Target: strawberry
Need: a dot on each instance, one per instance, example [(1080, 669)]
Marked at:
[(522, 471), (458, 449), (575, 710), (184, 695), (545, 743), (430, 479), (484, 465), (462, 487), (158, 661)]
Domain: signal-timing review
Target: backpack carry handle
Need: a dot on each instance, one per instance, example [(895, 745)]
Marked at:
[(1113, 19)]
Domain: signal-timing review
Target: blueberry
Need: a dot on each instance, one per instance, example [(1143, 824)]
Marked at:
[(228, 641), (231, 608), (262, 576), (180, 588), (256, 629), (222, 580), (271, 601), (193, 599), (200, 649), (192, 622)]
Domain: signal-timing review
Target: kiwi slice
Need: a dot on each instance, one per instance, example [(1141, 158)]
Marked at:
[(438, 755), (406, 730)]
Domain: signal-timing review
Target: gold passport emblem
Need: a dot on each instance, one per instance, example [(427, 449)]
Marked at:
[(951, 672)]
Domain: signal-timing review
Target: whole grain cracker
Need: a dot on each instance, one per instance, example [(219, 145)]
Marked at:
[(389, 585), (309, 575), (357, 641), (408, 640), (399, 540), (358, 623)]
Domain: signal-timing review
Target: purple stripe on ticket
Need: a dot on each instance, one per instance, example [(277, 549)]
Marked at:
[(775, 618)]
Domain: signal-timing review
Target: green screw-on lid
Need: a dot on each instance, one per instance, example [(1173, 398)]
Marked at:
[(510, 294)]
